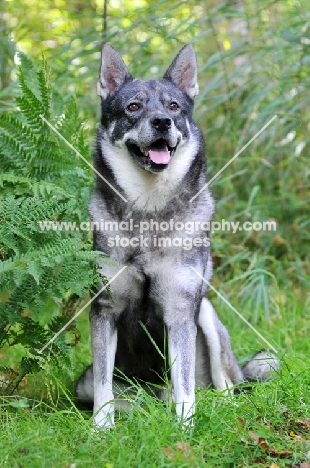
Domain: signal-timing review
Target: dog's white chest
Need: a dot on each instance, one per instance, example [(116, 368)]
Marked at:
[(147, 191)]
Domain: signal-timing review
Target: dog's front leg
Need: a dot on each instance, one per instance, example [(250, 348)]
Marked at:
[(104, 341), (182, 352)]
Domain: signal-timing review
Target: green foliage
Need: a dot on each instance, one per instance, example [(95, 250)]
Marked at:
[(42, 270)]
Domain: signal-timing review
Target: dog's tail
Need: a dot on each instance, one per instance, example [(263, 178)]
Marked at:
[(261, 367)]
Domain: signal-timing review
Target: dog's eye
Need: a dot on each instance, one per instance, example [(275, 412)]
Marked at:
[(174, 106), (133, 107)]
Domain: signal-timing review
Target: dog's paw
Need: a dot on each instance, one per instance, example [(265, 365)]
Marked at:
[(185, 414), (103, 420), (101, 430), (188, 424)]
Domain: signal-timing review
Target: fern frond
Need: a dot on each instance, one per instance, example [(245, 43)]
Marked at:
[(32, 111), (14, 128), (9, 148), (38, 188), (44, 88), (70, 125), (27, 65), (27, 92), (41, 180)]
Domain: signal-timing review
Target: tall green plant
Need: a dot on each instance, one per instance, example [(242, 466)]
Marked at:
[(43, 273)]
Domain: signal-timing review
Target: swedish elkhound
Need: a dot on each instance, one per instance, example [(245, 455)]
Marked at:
[(151, 158)]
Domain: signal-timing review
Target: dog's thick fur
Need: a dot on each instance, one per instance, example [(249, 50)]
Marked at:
[(149, 149)]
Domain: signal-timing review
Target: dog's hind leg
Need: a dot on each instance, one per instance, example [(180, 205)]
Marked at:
[(224, 369)]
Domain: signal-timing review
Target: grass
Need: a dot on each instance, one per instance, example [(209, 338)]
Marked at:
[(42, 427), (43, 436)]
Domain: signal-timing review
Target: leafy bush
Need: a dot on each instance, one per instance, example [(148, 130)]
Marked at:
[(44, 273)]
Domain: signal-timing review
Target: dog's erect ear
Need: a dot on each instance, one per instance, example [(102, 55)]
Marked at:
[(113, 72), (183, 71)]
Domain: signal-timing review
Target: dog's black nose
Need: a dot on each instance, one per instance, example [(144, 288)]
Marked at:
[(161, 122)]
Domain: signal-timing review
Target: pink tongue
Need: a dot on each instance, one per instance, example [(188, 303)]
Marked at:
[(159, 157)]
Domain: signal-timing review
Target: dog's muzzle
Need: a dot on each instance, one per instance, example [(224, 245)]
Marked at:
[(155, 157)]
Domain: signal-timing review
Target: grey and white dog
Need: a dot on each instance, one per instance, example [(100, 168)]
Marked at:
[(152, 158)]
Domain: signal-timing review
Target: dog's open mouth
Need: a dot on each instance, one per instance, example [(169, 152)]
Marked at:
[(158, 153)]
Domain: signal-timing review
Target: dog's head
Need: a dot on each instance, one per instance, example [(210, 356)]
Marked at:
[(149, 119)]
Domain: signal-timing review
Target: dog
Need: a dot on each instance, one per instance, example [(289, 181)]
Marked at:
[(150, 162)]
